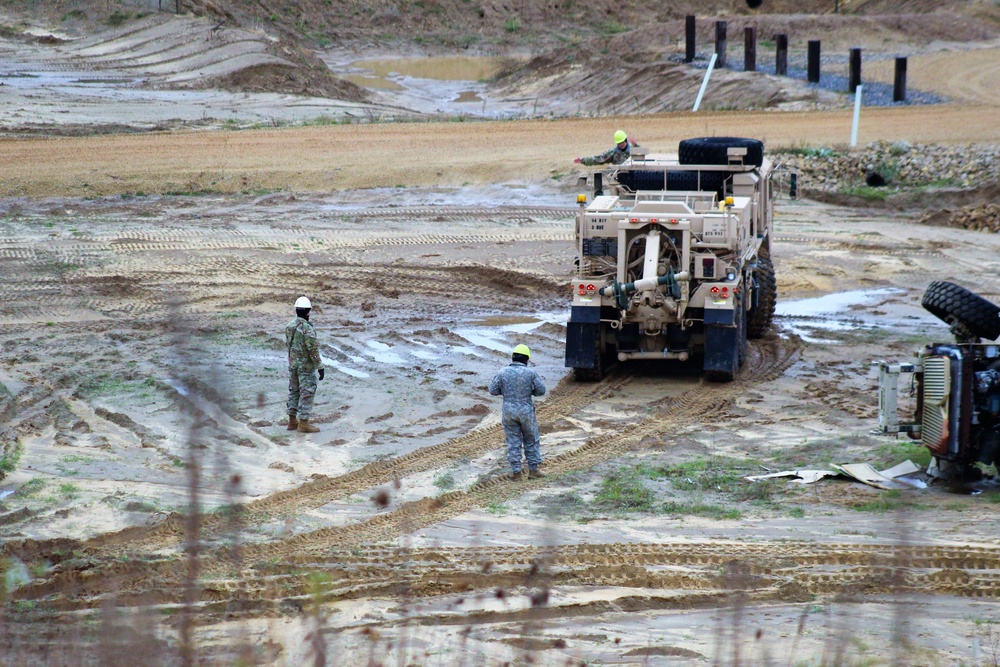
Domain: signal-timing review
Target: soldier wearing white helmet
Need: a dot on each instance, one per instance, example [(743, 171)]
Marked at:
[(304, 366)]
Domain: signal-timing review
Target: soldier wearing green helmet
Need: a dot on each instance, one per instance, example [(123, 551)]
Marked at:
[(517, 384), (617, 154)]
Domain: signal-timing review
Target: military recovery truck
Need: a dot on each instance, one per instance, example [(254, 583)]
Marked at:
[(674, 259), (955, 386)]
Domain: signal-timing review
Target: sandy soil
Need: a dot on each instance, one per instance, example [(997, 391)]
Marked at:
[(142, 374)]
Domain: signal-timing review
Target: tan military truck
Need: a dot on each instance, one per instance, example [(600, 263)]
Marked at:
[(674, 259)]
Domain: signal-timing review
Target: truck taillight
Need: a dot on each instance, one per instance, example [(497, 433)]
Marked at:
[(714, 290), (591, 288), (725, 292)]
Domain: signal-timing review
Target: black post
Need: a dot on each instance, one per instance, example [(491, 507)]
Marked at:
[(814, 61), (899, 82), (720, 43), (749, 49), (689, 32), (781, 56), (855, 77)]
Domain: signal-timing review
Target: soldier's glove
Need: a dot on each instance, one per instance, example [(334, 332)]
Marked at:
[(322, 372)]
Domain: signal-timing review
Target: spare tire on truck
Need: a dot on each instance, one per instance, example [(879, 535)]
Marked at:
[(954, 304), (715, 150)]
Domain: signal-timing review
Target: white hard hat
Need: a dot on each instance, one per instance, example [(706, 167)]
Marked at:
[(303, 302)]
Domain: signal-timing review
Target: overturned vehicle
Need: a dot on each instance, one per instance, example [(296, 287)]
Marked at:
[(955, 386), (674, 259)]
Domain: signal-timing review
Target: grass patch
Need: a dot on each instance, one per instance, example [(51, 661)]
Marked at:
[(30, 488), (867, 193), (9, 460), (887, 501), (897, 451), (718, 474), (624, 491), (445, 481), (609, 28), (702, 509), (69, 490), (496, 509)]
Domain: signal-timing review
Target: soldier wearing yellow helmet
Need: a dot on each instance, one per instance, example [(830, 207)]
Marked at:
[(617, 154), (517, 384)]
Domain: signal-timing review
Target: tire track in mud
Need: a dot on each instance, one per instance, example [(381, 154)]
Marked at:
[(676, 413), (793, 571), (567, 397), (764, 364)]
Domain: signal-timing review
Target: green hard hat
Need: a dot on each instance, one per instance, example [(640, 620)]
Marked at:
[(523, 349), (620, 136)]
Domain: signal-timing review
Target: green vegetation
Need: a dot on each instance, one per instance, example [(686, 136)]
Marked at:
[(9, 460), (624, 491), (707, 510), (897, 451), (69, 490), (609, 28), (118, 18), (445, 481), (496, 509), (30, 488), (867, 193), (512, 25)]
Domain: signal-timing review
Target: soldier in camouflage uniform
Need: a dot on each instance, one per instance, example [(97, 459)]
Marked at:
[(304, 365), (617, 154), (517, 384)]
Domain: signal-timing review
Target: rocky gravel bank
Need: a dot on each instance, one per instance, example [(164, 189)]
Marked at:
[(955, 185)]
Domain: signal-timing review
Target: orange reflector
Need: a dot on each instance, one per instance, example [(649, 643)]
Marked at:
[(635, 219), (673, 221), (653, 220)]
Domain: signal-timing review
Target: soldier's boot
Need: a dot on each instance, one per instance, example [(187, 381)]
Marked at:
[(516, 476), (293, 422), (535, 473), (306, 427)]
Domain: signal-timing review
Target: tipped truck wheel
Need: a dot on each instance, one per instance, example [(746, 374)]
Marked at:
[(954, 304), (760, 316)]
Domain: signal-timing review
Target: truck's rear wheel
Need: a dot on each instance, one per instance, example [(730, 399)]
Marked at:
[(954, 304), (760, 316)]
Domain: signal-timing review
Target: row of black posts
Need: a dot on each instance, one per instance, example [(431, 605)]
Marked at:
[(781, 57)]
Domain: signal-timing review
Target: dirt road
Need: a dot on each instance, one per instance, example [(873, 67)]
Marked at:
[(348, 157)]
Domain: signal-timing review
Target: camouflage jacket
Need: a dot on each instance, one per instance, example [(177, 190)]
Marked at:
[(614, 155), (303, 348), (517, 384)]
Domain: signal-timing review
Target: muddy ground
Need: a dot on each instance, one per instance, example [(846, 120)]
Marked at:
[(146, 281)]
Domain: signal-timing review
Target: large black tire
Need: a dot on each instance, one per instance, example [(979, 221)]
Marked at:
[(760, 316), (715, 150), (954, 304)]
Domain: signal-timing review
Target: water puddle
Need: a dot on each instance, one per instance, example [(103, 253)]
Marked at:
[(5, 492), (841, 311), (437, 84), (381, 353), (346, 370)]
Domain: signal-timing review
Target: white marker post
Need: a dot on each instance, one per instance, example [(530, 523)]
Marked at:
[(704, 83), (857, 115)]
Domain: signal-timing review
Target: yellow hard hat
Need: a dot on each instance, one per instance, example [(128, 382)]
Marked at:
[(523, 349), (620, 136)]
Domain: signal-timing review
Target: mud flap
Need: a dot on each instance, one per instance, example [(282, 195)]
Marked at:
[(721, 351), (581, 337), (721, 345)]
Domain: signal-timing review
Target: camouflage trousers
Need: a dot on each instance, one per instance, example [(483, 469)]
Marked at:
[(301, 391), (521, 431)]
